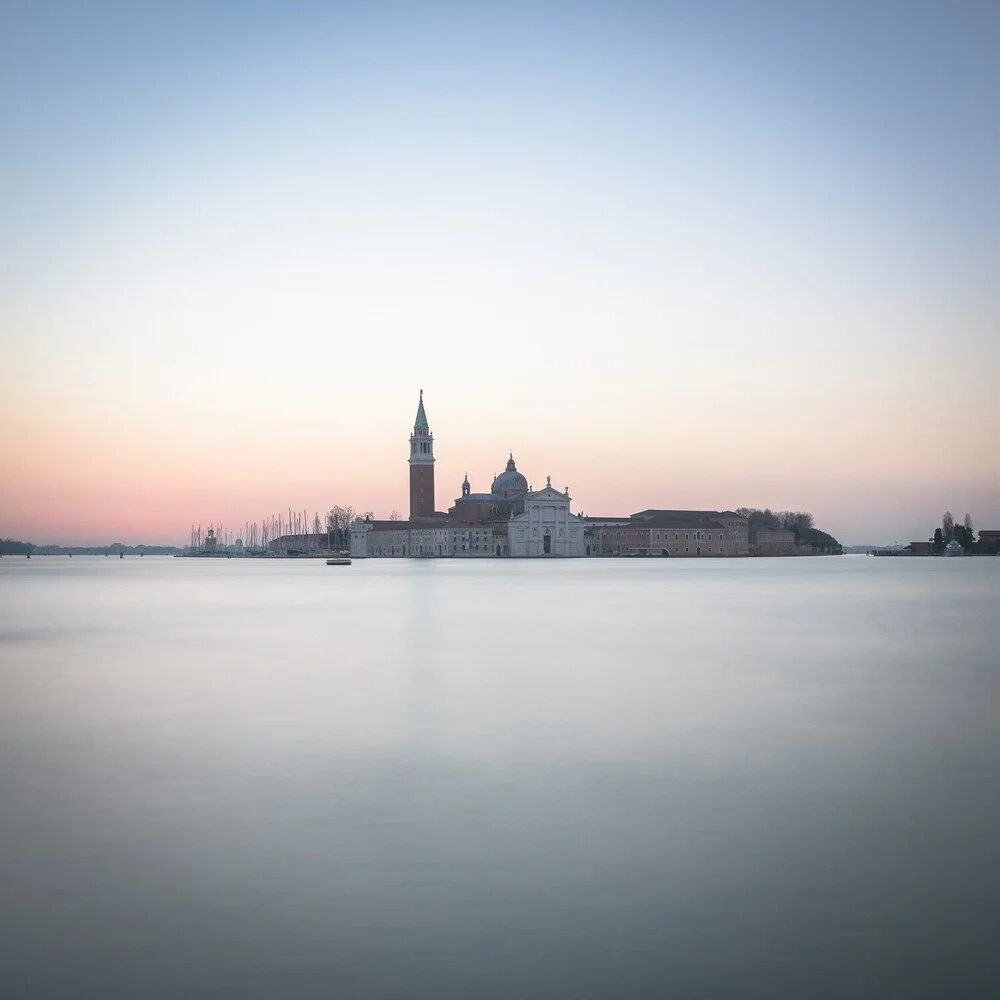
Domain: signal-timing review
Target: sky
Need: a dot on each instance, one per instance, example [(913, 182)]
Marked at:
[(693, 255)]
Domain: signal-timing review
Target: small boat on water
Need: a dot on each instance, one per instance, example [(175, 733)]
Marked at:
[(339, 561)]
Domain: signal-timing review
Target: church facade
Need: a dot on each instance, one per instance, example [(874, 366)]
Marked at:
[(510, 520), (545, 526)]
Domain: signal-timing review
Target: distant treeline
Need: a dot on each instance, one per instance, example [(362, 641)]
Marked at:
[(949, 531), (12, 547), (798, 521)]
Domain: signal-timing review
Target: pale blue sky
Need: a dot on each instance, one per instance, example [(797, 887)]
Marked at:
[(694, 254)]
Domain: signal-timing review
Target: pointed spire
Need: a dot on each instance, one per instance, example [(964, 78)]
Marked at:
[(421, 422)]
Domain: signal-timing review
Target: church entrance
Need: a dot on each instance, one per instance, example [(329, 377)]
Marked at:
[(547, 544)]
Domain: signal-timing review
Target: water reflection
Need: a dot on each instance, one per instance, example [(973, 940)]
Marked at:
[(499, 779)]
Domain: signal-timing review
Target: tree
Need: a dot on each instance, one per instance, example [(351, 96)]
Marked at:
[(338, 525), (938, 540), (965, 535), (12, 547), (394, 516), (948, 527), (819, 541), (799, 521)]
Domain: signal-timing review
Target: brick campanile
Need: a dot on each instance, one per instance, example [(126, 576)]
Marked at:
[(421, 465)]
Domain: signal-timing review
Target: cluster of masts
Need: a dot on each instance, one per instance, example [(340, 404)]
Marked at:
[(255, 536)]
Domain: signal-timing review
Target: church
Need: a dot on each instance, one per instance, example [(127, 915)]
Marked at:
[(510, 520)]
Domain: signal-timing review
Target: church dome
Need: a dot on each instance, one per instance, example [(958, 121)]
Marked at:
[(510, 481)]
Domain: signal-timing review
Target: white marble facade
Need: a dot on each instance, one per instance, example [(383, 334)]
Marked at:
[(546, 527)]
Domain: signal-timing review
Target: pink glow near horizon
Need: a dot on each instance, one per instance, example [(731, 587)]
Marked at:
[(61, 489)]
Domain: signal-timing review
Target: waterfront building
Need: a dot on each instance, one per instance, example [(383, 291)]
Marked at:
[(772, 542), (671, 533), (432, 537), (514, 520), (989, 541), (545, 526), (477, 524)]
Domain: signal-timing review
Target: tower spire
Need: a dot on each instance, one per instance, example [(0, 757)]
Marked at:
[(421, 422), (421, 464)]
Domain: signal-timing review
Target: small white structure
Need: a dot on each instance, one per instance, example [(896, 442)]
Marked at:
[(546, 527), (359, 536)]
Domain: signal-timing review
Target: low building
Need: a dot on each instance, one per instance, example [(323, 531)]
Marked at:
[(989, 541), (602, 535), (439, 536), (672, 533), (772, 542)]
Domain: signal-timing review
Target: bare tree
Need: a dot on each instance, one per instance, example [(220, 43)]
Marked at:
[(394, 516), (338, 525), (948, 527)]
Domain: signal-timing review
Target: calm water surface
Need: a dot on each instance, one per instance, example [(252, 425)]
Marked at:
[(619, 778)]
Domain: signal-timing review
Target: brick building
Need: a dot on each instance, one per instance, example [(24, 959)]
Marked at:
[(672, 533)]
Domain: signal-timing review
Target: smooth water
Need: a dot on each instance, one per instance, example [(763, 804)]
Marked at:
[(479, 779)]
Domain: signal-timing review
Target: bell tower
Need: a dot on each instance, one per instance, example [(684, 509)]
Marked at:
[(421, 465)]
